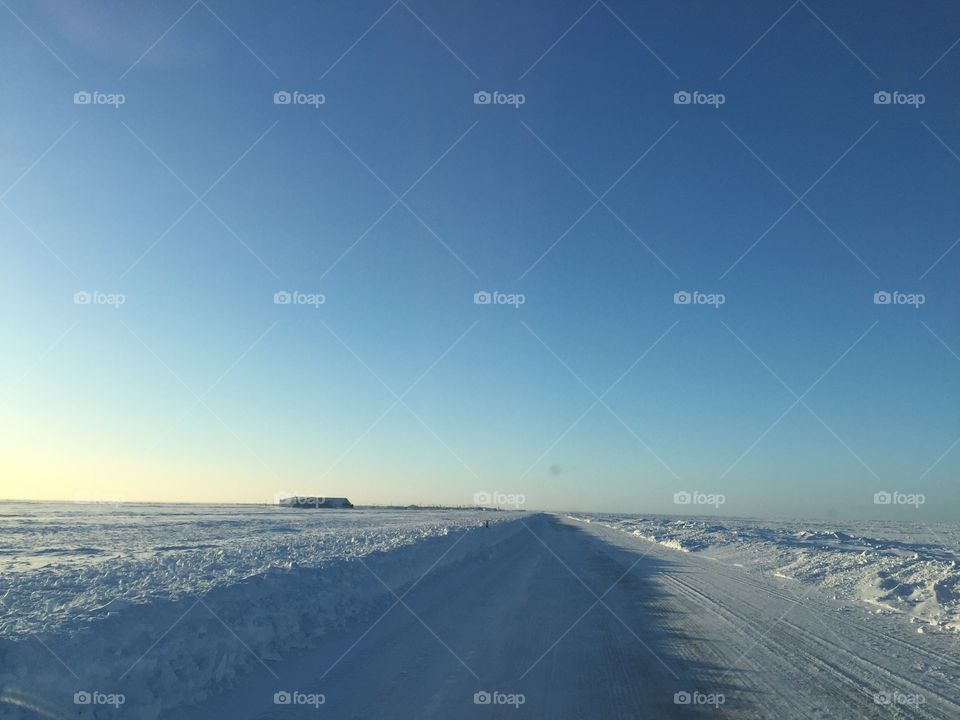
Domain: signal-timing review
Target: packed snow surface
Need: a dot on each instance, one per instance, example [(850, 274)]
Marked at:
[(896, 566)]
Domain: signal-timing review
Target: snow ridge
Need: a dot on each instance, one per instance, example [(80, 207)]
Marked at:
[(897, 567)]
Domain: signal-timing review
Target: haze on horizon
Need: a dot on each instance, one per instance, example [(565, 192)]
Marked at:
[(594, 255)]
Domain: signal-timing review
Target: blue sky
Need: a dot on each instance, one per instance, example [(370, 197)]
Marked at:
[(398, 198)]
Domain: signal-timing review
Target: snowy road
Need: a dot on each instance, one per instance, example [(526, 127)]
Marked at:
[(586, 622)]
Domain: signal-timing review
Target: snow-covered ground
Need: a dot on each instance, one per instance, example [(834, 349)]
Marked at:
[(86, 589), (66, 565), (902, 567), (256, 613)]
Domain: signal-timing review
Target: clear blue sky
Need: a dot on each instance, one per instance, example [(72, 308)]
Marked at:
[(103, 400)]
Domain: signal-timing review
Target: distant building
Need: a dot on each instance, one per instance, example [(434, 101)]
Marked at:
[(327, 503)]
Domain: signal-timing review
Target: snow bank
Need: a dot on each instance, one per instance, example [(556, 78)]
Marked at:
[(896, 566), (64, 566), (180, 626)]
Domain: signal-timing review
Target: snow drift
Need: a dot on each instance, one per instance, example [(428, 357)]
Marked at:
[(902, 567), (162, 626)]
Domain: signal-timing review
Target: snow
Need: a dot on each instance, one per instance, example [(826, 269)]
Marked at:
[(580, 620), (84, 560), (900, 567), (108, 581), (190, 612)]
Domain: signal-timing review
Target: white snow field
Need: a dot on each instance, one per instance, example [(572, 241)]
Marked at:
[(189, 612)]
